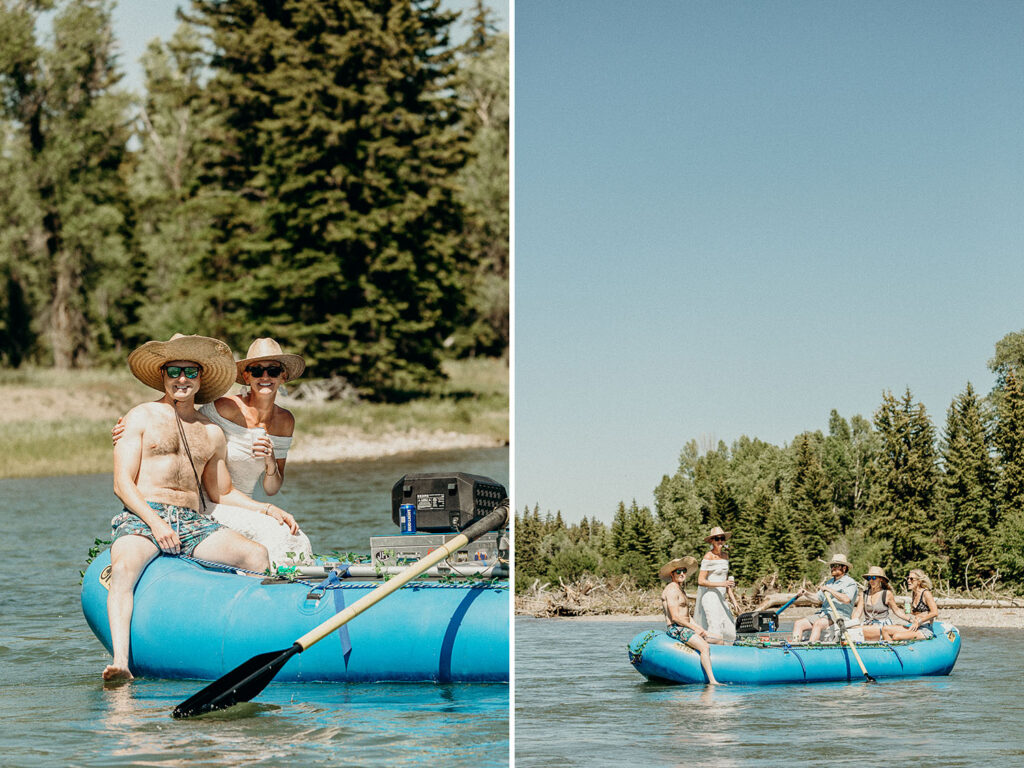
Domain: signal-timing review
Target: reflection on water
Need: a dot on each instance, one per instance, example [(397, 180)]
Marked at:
[(50, 662)]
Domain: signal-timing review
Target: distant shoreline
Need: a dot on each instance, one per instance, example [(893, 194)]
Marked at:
[(345, 443), (1011, 618)]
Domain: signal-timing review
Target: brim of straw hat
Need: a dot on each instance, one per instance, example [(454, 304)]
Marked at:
[(294, 365), (689, 563), (212, 354)]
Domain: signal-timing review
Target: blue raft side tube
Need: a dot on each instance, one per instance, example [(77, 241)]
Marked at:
[(193, 623), (659, 657)]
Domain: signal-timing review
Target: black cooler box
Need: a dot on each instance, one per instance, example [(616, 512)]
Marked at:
[(446, 501)]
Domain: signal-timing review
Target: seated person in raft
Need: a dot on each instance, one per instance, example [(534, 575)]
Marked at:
[(259, 434), (875, 604), (841, 588), (922, 607), (167, 446), (676, 606)]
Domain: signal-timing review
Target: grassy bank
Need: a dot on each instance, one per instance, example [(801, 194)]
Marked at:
[(58, 422)]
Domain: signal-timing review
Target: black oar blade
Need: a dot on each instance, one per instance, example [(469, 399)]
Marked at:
[(242, 683)]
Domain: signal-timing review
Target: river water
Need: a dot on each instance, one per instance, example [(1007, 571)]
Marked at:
[(54, 710), (580, 703)]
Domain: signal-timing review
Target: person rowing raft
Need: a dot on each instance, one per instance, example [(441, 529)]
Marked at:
[(843, 590)]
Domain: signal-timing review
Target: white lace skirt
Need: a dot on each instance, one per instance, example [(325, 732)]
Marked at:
[(283, 547)]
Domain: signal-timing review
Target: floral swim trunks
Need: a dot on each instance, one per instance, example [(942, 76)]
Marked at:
[(682, 634), (192, 528)]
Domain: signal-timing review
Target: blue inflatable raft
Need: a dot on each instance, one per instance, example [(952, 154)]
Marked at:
[(657, 656), (190, 622)]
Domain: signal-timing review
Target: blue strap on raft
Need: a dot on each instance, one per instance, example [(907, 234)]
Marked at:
[(333, 582)]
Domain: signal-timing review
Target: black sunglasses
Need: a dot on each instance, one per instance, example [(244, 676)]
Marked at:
[(272, 370), (677, 571), (718, 538), (174, 371)]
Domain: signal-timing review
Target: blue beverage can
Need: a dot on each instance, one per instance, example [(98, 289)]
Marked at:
[(407, 518)]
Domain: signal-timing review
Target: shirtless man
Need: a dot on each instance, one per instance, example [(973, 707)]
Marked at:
[(158, 484), (676, 607)]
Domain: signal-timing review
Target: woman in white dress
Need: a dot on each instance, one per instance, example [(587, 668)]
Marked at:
[(714, 589), (259, 434)]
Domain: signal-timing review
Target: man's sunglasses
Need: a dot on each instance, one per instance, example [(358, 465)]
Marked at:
[(273, 371), (174, 371)]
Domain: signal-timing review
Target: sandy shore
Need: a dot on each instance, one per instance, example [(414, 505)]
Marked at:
[(341, 443), (961, 617)]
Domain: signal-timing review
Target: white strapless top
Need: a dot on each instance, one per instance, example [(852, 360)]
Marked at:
[(718, 570), (246, 470)]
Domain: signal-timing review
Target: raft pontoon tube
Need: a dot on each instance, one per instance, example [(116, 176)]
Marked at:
[(658, 656), (190, 622)]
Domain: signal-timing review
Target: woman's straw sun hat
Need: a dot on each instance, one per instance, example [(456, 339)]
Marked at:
[(266, 349)]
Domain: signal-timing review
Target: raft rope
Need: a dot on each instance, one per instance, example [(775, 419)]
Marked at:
[(636, 656), (790, 649), (338, 584), (887, 645)]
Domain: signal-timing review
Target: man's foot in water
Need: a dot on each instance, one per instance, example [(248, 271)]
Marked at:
[(114, 674)]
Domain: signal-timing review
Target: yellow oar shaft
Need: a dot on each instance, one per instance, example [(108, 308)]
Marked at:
[(843, 630), (394, 583)]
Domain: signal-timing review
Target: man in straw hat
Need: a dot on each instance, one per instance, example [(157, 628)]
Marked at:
[(843, 590), (167, 455), (676, 606)]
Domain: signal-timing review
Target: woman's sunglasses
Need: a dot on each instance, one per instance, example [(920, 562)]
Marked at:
[(718, 538), (273, 371), (174, 371)]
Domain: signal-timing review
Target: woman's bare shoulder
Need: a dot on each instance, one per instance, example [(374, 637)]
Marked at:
[(284, 422), (230, 407)]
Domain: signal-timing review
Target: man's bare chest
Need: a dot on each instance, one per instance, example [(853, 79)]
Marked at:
[(166, 438)]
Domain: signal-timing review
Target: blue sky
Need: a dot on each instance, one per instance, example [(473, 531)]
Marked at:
[(731, 218), (136, 22)]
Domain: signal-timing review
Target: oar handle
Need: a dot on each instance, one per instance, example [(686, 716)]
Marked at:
[(494, 520), (788, 603), (842, 630)]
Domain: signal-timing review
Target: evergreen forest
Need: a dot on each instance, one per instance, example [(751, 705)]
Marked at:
[(898, 491), (332, 174)]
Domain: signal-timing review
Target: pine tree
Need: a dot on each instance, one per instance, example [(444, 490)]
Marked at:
[(748, 550), (838, 466), (810, 504), (527, 543), (905, 484), (173, 228), (1009, 441), (679, 518), (482, 86), (781, 544), (333, 183), (968, 481), (65, 144), (620, 531)]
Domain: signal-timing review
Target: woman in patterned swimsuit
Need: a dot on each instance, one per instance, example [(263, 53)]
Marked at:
[(923, 609)]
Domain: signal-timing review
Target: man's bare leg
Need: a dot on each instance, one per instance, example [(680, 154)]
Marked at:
[(129, 556), (232, 548)]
